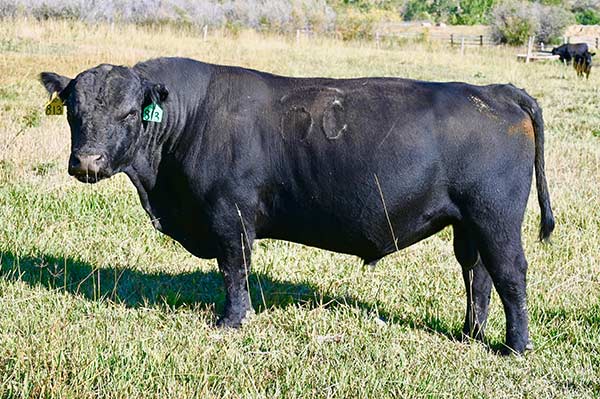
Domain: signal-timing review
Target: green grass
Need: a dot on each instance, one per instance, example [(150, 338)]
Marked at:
[(95, 303)]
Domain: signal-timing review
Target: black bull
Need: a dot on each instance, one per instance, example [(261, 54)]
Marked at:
[(359, 166), (566, 52)]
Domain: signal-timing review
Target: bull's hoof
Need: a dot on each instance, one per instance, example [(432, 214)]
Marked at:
[(507, 351), (235, 321), (226, 322)]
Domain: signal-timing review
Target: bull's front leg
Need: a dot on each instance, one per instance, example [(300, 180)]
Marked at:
[(234, 263)]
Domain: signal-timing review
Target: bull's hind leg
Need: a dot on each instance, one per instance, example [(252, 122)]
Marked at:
[(504, 259), (478, 283)]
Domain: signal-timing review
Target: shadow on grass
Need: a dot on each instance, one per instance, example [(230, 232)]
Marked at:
[(135, 289)]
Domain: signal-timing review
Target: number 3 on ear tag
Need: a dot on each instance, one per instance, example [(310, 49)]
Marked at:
[(55, 105), (153, 113)]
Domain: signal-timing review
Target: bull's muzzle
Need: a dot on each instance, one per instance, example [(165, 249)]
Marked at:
[(87, 168)]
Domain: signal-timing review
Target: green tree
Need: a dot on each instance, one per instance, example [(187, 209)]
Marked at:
[(588, 17), (471, 12), (437, 10)]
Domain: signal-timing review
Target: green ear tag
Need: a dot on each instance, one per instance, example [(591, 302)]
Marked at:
[(55, 105), (153, 113)]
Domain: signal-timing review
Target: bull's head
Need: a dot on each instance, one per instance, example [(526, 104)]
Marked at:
[(104, 110)]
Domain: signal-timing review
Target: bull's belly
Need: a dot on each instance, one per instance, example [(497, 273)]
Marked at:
[(366, 247), (370, 238)]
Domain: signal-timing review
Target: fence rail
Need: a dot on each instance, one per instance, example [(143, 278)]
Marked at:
[(471, 40)]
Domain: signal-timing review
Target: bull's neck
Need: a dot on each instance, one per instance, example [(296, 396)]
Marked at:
[(157, 141), (187, 82)]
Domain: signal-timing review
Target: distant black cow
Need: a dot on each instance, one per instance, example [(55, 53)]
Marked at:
[(583, 64), (567, 52), (360, 166)]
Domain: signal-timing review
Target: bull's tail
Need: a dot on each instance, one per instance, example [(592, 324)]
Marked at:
[(530, 106)]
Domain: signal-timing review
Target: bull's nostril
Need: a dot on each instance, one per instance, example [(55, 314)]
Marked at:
[(85, 164)]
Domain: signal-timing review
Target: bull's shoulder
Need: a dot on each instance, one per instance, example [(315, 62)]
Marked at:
[(170, 64)]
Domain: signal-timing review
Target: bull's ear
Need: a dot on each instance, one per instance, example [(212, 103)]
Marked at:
[(54, 82), (155, 92)]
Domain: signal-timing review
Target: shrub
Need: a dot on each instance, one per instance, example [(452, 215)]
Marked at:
[(353, 24), (512, 23), (583, 5), (552, 22), (279, 15)]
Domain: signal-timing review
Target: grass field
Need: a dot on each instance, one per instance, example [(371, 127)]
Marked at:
[(95, 303)]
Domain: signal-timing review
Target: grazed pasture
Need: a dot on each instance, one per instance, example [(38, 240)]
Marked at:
[(95, 303)]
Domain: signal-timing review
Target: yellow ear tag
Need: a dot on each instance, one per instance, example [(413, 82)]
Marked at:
[(55, 105)]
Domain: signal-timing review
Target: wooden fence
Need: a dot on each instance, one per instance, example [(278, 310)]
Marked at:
[(455, 39), (452, 39)]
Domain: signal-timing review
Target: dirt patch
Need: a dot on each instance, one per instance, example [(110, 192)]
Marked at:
[(583, 30)]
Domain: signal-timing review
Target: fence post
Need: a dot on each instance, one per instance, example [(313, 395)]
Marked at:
[(451, 39), (462, 46), (481, 40), (297, 36), (204, 32), (377, 40), (597, 42), (529, 48)]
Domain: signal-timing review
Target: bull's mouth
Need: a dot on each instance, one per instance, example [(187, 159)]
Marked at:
[(91, 177), (89, 168)]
